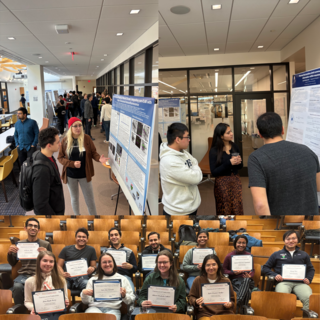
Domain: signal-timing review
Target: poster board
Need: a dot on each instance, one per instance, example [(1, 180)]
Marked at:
[(50, 106), (304, 117), (130, 145)]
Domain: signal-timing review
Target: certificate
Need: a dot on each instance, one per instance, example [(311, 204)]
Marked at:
[(294, 272), (199, 254), (106, 290), (216, 293), (148, 261), (119, 256), (242, 262), (161, 296), (77, 268), (27, 250), (49, 301)]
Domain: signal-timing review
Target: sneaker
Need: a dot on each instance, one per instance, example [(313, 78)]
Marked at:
[(105, 141), (93, 139)]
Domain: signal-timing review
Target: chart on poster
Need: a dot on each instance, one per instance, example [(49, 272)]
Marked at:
[(304, 118), (130, 144)]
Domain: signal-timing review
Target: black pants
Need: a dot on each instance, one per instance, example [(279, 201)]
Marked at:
[(190, 214), (60, 125), (95, 115), (24, 154), (88, 127)]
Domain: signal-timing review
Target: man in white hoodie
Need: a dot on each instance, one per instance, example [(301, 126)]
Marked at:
[(180, 173)]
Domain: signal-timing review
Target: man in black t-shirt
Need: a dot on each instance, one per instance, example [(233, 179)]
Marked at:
[(61, 113), (284, 176), (76, 252)]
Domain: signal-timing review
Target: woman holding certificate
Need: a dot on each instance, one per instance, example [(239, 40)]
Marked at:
[(46, 278), (225, 161), (164, 287), (106, 292), (211, 293)]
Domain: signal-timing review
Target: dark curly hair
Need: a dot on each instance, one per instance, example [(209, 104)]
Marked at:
[(46, 136)]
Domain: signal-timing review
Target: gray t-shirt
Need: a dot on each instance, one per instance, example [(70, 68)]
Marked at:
[(288, 172), (70, 253)]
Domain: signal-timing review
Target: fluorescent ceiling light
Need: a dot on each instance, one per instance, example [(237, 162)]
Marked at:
[(46, 61), (119, 34), (102, 59), (167, 84), (282, 82), (216, 49), (293, 1), (260, 47), (166, 91), (242, 78), (11, 38), (216, 6), (134, 11), (252, 68), (105, 54), (216, 79), (40, 57)]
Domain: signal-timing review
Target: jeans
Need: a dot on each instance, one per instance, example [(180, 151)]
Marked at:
[(88, 127), (79, 283), (190, 214), (106, 125), (190, 282), (115, 312), (18, 288), (24, 154)]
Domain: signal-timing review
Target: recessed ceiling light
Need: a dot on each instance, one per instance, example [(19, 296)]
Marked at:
[(46, 61), (40, 57), (180, 10), (216, 6), (102, 59), (252, 68), (293, 1), (216, 49), (134, 11), (120, 34), (97, 66), (260, 47), (11, 38), (105, 54), (67, 42)]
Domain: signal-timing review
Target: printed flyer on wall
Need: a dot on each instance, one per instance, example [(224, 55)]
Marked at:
[(130, 144)]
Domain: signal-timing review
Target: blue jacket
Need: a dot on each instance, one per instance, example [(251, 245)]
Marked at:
[(26, 134), (252, 242), (277, 259), (82, 102)]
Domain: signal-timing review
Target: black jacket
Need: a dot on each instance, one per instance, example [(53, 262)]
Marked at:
[(277, 259), (60, 111), (48, 198)]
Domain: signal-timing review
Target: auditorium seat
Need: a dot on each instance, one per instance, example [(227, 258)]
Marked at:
[(131, 225), (291, 222), (223, 251), (218, 239), (174, 227), (103, 224), (164, 238), (4, 265), (5, 301), (24, 235), (235, 225), (56, 249), (75, 224), (162, 316), (49, 225), (100, 237), (157, 225), (214, 224), (64, 237), (131, 237)]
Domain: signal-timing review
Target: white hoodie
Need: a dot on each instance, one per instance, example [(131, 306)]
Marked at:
[(180, 176)]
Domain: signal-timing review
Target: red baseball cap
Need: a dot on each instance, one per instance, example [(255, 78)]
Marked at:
[(72, 121)]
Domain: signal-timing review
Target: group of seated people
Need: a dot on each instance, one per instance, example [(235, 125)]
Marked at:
[(45, 273)]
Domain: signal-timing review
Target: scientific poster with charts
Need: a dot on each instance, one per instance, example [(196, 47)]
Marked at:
[(169, 111), (304, 118), (130, 145)]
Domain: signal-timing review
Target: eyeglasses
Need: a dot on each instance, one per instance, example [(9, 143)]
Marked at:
[(291, 239), (77, 126), (33, 226), (188, 137), (163, 262)]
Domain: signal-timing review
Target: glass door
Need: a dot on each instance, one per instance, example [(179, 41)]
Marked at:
[(248, 107)]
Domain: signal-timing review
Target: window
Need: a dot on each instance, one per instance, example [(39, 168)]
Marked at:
[(139, 69), (253, 78)]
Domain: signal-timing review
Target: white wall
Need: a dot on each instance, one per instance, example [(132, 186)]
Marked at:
[(309, 39), (14, 95), (63, 84), (85, 86)]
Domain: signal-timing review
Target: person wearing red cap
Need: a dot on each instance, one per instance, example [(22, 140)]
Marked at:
[(76, 154)]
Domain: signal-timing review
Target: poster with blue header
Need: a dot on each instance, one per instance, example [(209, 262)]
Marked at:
[(304, 118), (130, 145)]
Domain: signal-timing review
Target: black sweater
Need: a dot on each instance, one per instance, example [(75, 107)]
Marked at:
[(225, 168)]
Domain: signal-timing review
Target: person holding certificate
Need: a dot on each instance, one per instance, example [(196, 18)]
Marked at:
[(47, 277), (77, 262), (165, 275), (293, 269), (188, 266), (242, 280), (28, 268), (220, 302), (107, 270)]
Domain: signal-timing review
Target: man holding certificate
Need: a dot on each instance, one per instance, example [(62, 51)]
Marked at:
[(27, 251), (293, 269), (129, 265), (193, 266), (77, 262)]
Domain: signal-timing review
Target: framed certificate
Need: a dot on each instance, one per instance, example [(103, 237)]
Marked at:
[(242, 262), (216, 293), (27, 250), (119, 256), (106, 290), (199, 254), (162, 297), (148, 261), (294, 272), (49, 301), (77, 268)]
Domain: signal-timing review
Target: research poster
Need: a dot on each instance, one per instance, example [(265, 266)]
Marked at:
[(304, 118), (130, 145), (50, 106), (169, 111)]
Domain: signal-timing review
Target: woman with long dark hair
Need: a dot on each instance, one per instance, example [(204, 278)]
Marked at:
[(225, 161), (47, 277), (107, 270), (166, 275), (211, 272)]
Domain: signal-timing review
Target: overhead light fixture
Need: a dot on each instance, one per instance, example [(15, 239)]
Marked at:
[(216, 49), (97, 66), (40, 57), (252, 68), (282, 82), (260, 47), (134, 11), (167, 84), (105, 54), (216, 79), (46, 61), (62, 28), (119, 34), (216, 6), (242, 78), (11, 38), (293, 1), (180, 10), (102, 59)]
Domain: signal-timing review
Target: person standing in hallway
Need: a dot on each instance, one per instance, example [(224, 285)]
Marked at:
[(106, 117), (225, 161), (95, 107), (88, 114), (61, 112), (23, 100), (76, 154), (82, 102), (25, 135)]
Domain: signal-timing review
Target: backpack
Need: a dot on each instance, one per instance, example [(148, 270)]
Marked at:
[(25, 179), (187, 233)]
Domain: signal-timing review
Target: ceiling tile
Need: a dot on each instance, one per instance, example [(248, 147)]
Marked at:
[(245, 30), (130, 24), (123, 11), (171, 51), (221, 47), (217, 31), (166, 37), (313, 7), (278, 44), (195, 50), (13, 29), (216, 15), (284, 9), (189, 34), (236, 47)]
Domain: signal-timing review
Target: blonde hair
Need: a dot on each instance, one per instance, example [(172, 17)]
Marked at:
[(69, 141)]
